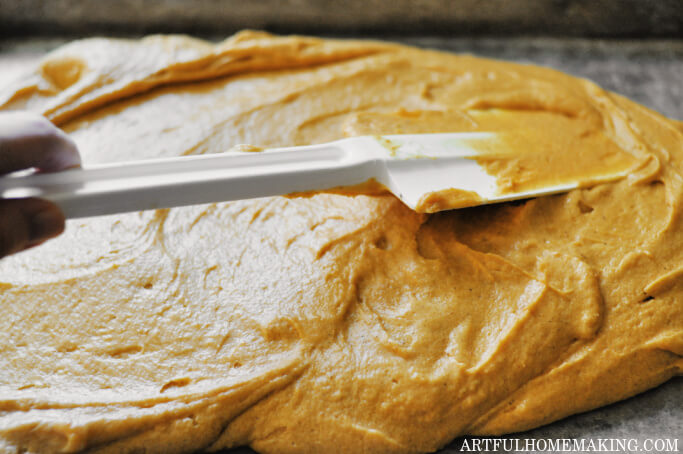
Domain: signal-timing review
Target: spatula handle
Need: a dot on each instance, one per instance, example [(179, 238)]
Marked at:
[(164, 183)]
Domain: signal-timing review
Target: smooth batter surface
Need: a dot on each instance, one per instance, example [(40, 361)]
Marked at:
[(333, 323)]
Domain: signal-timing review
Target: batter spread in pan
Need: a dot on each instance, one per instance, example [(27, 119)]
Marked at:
[(335, 323)]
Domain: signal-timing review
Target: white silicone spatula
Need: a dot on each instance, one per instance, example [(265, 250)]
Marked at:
[(410, 166)]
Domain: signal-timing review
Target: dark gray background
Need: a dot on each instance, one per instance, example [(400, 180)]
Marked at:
[(587, 18)]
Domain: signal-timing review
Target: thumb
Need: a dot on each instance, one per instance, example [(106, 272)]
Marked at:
[(28, 140)]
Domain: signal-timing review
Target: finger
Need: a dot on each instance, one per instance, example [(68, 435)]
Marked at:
[(26, 223), (29, 140)]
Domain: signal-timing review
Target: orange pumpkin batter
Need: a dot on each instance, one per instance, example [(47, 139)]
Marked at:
[(336, 323)]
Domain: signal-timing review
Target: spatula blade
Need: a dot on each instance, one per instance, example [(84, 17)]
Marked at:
[(436, 172)]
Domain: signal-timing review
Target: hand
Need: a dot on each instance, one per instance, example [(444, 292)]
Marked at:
[(31, 141)]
